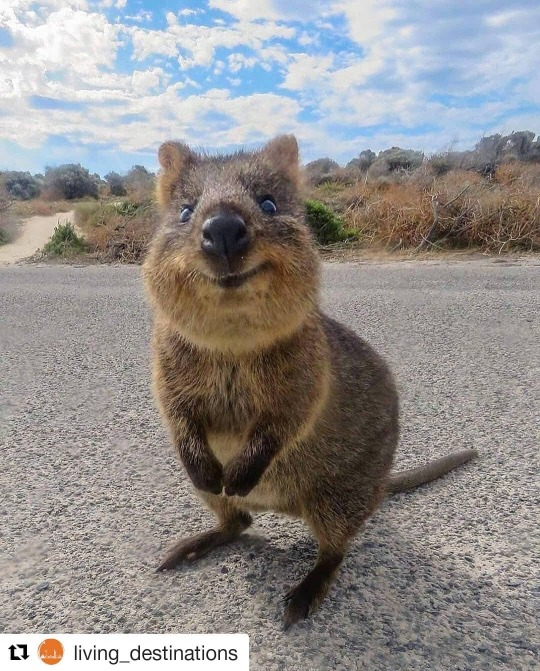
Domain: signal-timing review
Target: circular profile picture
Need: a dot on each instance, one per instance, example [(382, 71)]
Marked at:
[(50, 651)]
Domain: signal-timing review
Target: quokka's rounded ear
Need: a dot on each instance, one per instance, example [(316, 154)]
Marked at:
[(174, 156), (283, 151)]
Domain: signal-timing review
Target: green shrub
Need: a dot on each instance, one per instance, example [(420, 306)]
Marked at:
[(4, 237), (126, 208), (86, 213), (92, 215), (64, 242), (327, 226), (330, 189)]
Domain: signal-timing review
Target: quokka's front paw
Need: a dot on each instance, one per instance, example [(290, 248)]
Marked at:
[(208, 476), (239, 478)]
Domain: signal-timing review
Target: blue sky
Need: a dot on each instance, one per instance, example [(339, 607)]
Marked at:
[(104, 82)]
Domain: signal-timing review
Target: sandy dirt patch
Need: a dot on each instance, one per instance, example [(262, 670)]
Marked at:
[(35, 232)]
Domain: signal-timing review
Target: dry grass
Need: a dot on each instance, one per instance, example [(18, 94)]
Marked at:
[(40, 207), (117, 233), (458, 210)]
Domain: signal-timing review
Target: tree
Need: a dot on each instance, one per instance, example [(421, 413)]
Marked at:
[(116, 184), (70, 181), (534, 151), (20, 185), (321, 170), (363, 160), (401, 159), (140, 183), (519, 144)]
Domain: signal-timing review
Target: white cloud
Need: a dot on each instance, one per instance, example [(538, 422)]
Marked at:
[(10, 9), (305, 40), (367, 20), (144, 81), (398, 56), (308, 71), (200, 42), (238, 61), (402, 64), (140, 17), (219, 66), (246, 10), (76, 43), (119, 4), (274, 10), (503, 18)]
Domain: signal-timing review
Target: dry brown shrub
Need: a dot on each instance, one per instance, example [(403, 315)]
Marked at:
[(459, 209), (140, 193), (41, 207), (526, 174), (5, 201), (117, 237)]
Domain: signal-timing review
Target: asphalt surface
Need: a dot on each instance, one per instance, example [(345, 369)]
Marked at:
[(91, 494)]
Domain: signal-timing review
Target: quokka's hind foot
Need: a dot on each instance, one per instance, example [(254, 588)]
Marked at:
[(195, 547), (304, 598)]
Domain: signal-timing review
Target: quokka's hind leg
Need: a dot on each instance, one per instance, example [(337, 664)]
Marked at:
[(232, 521), (304, 598), (334, 531)]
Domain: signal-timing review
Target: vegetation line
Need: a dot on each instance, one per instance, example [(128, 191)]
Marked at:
[(487, 198)]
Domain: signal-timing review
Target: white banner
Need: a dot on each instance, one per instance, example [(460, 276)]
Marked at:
[(179, 652)]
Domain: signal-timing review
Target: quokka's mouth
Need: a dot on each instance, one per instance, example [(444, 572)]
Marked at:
[(234, 280)]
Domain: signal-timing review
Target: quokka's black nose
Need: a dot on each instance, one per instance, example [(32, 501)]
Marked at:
[(224, 235)]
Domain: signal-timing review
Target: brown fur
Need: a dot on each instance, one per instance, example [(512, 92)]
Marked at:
[(271, 404)]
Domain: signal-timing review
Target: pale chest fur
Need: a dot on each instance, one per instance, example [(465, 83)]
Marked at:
[(225, 446)]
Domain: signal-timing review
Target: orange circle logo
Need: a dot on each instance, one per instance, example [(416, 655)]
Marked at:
[(51, 651)]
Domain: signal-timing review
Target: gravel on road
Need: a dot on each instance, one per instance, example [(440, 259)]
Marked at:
[(92, 495)]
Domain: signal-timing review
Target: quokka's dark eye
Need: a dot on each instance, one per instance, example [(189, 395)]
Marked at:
[(268, 206), (185, 213)]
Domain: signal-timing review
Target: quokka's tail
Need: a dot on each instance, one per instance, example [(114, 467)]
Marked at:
[(414, 477)]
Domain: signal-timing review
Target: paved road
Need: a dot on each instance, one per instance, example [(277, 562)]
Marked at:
[(91, 493)]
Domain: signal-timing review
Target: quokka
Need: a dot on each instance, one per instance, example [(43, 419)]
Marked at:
[(271, 404)]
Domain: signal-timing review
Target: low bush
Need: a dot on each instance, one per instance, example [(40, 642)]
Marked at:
[(325, 224), (459, 209), (88, 213), (118, 231), (65, 242), (40, 207)]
